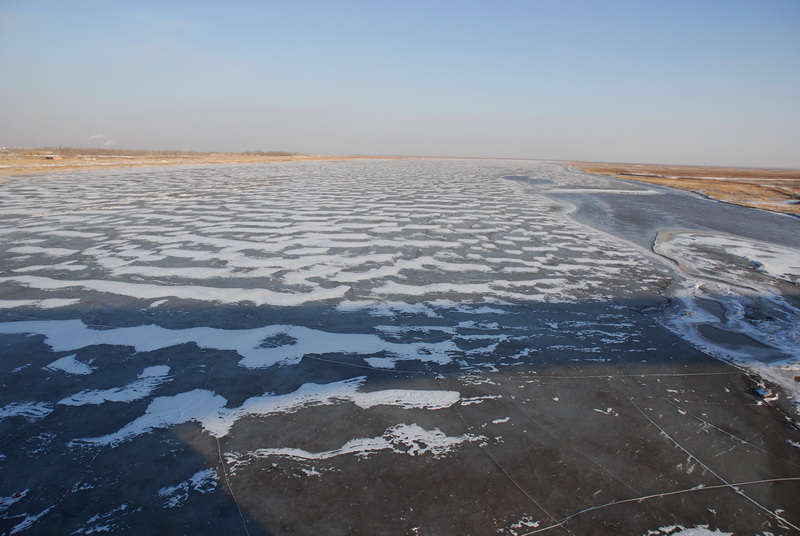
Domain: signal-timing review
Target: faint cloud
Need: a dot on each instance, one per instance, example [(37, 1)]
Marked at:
[(96, 137)]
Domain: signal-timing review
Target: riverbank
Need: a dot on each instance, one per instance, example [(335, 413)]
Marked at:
[(776, 190), (28, 161)]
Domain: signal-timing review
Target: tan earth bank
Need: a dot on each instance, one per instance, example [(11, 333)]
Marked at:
[(25, 161), (777, 190)]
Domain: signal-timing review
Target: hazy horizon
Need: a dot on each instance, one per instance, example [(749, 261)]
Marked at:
[(705, 83)]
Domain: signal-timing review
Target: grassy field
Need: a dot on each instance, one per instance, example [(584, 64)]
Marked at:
[(777, 190)]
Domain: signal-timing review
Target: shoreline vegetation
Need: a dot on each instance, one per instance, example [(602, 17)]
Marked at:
[(57, 159), (775, 190)]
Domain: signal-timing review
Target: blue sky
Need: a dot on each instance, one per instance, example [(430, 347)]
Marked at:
[(695, 82)]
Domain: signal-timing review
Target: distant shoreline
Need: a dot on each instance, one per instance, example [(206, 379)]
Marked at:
[(37, 161)]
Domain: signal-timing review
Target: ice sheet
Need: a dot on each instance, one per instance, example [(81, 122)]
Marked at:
[(469, 303)]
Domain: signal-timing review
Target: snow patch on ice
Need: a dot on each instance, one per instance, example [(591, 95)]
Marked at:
[(48, 303), (202, 481), (30, 411), (164, 412), (149, 380), (208, 408), (410, 439), (70, 365), (53, 252), (150, 291), (520, 527), (680, 530), (380, 362), (6, 502), (67, 335), (104, 522), (30, 520), (478, 399)]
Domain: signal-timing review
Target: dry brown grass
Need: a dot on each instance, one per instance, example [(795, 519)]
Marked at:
[(35, 161), (777, 190)]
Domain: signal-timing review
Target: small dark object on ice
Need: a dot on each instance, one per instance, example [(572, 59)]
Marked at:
[(763, 393)]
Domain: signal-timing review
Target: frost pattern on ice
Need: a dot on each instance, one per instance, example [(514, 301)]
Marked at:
[(6, 502), (105, 522), (202, 481), (30, 411), (29, 520)]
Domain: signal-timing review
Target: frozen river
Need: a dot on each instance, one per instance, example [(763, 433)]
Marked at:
[(392, 347)]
